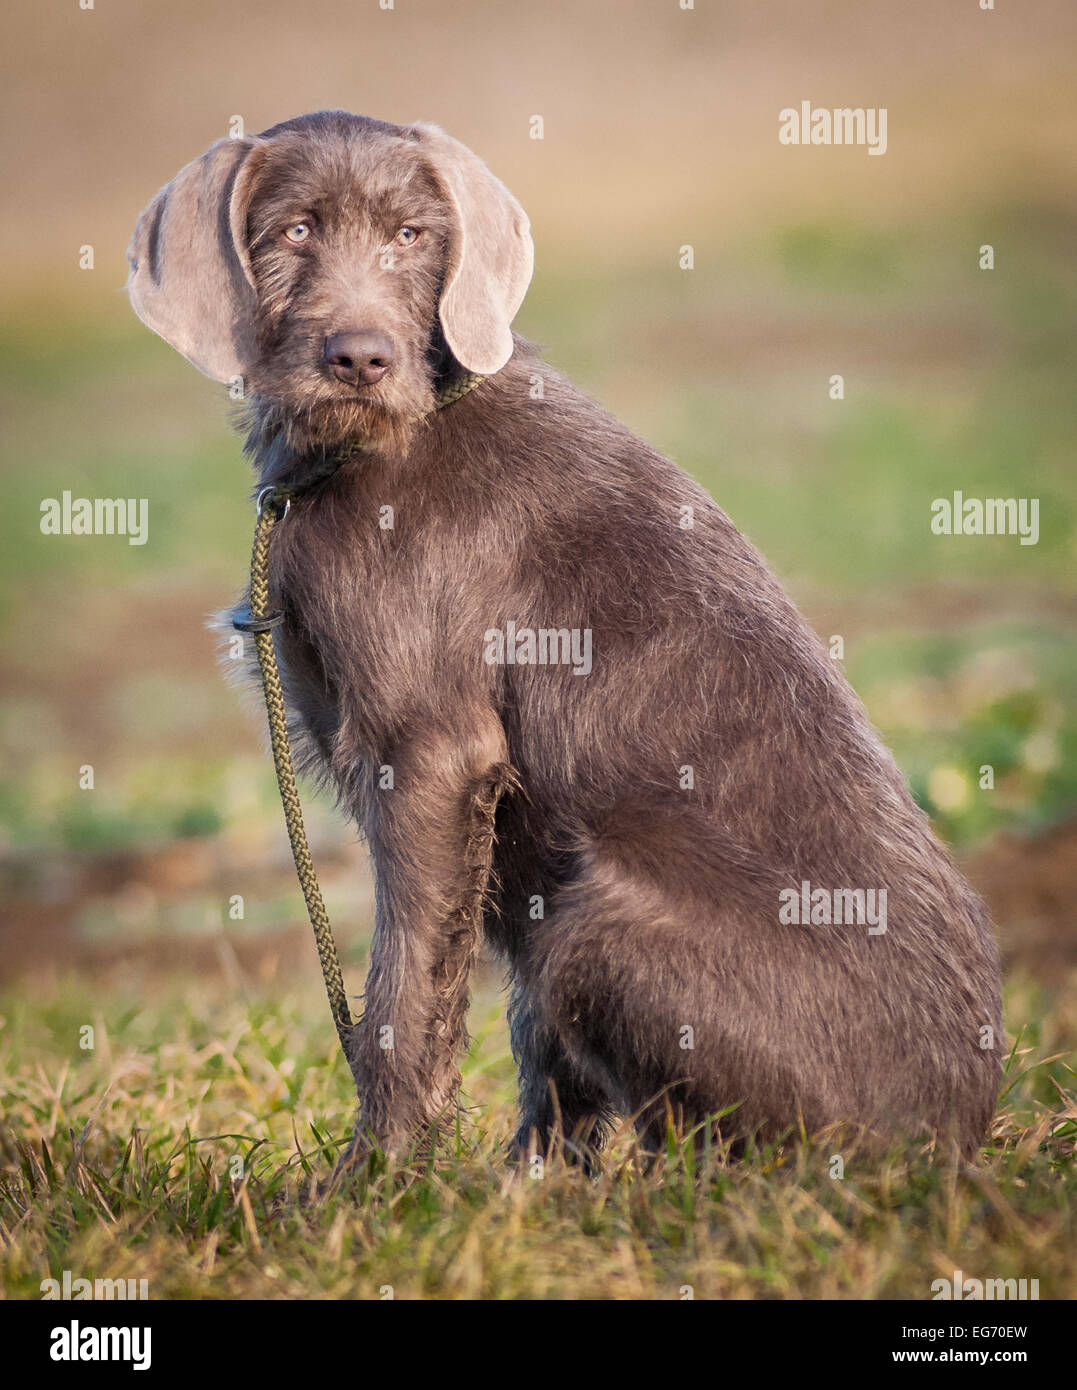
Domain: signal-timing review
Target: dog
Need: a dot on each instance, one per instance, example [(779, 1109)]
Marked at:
[(565, 701)]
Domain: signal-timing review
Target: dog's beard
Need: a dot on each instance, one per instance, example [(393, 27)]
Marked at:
[(343, 423), (312, 412)]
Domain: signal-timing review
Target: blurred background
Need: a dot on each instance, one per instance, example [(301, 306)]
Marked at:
[(660, 130)]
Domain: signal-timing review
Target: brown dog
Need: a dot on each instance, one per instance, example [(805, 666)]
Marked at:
[(707, 877)]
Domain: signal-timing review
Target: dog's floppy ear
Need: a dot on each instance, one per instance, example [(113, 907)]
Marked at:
[(190, 278), (491, 254)]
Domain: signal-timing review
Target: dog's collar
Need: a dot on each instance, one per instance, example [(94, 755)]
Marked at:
[(282, 494), (453, 390)]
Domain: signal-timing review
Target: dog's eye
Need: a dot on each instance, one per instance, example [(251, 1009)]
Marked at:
[(407, 235), (297, 232)]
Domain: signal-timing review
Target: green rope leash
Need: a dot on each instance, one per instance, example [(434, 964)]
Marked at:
[(273, 506)]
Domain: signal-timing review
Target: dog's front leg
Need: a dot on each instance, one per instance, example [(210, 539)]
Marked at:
[(431, 839)]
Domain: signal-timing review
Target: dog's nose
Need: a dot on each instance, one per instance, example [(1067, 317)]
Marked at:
[(361, 358)]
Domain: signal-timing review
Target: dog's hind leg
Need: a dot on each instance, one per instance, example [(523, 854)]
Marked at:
[(629, 986), (559, 1107)]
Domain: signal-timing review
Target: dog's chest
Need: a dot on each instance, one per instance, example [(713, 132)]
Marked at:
[(377, 617)]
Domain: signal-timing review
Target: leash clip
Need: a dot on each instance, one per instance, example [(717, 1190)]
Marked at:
[(243, 620), (273, 496)]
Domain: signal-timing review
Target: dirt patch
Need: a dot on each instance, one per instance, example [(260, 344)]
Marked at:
[(1030, 886)]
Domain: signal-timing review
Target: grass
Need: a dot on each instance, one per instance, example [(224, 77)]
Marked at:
[(191, 1147)]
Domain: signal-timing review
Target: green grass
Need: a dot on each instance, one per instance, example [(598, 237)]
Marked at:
[(981, 721), (121, 1162)]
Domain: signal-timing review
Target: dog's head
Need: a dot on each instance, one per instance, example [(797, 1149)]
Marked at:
[(327, 261)]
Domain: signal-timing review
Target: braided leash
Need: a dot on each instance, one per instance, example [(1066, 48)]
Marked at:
[(273, 506)]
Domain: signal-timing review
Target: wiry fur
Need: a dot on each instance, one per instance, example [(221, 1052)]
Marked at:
[(659, 904), (358, 192)]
